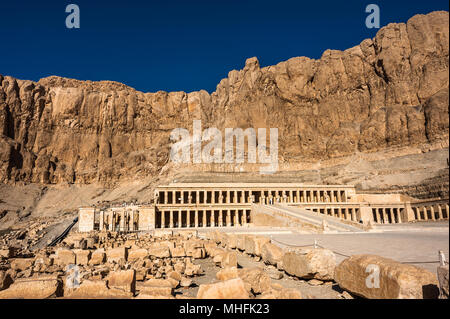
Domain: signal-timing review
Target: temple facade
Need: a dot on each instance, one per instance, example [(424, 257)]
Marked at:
[(192, 205)]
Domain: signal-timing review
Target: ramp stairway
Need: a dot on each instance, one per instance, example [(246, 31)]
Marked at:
[(309, 217)]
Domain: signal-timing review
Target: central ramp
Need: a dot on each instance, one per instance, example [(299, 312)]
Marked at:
[(303, 216)]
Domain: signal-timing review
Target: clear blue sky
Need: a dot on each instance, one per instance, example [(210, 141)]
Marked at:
[(180, 45)]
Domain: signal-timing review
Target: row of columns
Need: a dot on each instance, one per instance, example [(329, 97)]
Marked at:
[(123, 220), (245, 197), (224, 218), (421, 213), (385, 215), (347, 213)]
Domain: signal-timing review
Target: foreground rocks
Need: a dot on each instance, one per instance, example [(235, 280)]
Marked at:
[(310, 263), (396, 280), (442, 273), (166, 265), (229, 289)]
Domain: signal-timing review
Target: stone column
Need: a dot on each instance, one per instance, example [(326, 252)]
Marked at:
[(180, 224), (418, 213), (228, 197), (220, 218), (228, 217), (165, 197), (236, 217), (197, 197), (339, 199), (188, 218), (204, 218), (205, 197), (298, 197), (425, 213), (392, 215), (352, 210), (131, 226), (399, 215), (189, 197), (440, 212), (378, 213), (196, 218), (433, 216), (446, 210), (171, 219), (101, 220)]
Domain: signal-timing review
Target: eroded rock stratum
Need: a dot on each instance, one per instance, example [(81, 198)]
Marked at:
[(389, 92)]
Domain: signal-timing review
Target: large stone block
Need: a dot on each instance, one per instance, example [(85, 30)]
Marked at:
[(377, 277), (82, 256), (256, 279), (65, 257), (20, 264), (442, 272), (136, 254), (254, 244), (177, 252), (227, 273), (96, 289), (116, 254), (159, 251), (34, 288), (98, 257), (124, 280), (271, 254), (310, 263), (229, 289)]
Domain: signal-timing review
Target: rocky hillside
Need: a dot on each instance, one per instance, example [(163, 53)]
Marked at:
[(387, 93)]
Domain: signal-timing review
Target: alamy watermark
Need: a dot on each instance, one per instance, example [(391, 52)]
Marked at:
[(73, 19), (73, 276), (212, 152), (373, 19), (373, 280)]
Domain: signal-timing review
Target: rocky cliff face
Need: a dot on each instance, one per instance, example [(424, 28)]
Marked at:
[(387, 92)]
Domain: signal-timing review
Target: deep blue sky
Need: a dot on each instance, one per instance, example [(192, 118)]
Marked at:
[(180, 45)]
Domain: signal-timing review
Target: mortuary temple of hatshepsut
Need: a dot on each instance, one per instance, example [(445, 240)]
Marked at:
[(192, 205)]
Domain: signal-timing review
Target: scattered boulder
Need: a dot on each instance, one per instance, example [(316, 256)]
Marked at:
[(65, 257), (98, 257), (229, 289), (34, 288), (96, 289), (256, 279), (271, 254), (21, 264), (116, 254), (159, 251), (135, 254), (442, 272), (124, 280), (376, 277), (227, 273), (310, 263)]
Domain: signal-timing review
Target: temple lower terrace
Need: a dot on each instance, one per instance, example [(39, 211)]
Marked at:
[(193, 205)]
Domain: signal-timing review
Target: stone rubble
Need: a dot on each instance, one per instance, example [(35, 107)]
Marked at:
[(167, 265)]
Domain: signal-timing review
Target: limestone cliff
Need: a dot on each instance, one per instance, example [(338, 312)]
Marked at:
[(387, 92)]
